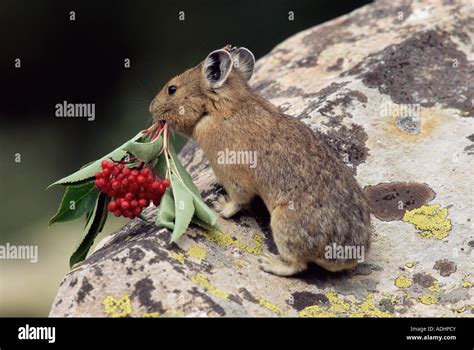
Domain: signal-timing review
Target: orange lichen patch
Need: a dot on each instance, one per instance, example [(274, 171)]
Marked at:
[(429, 119)]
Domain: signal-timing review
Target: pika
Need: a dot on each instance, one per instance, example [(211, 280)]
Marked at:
[(315, 203)]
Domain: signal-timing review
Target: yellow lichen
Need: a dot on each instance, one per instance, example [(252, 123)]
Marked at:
[(151, 314), (256, 249), (197, 252), (435, 287), (463, 309), (431, 220), (219, 237), (339, 307), (368, 309), (410, 264), (178, 256), (337, 304), (316, 311), (226, 240), (428, 299), (466, 284), (117, 307), (203, 281), (402, 282), (241, 264), (270, 306)]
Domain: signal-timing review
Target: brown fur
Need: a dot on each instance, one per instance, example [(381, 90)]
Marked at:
[(313, 198)]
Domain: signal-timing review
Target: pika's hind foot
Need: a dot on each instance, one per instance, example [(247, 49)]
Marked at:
[(276, 265), (226, 208), (336, 266)]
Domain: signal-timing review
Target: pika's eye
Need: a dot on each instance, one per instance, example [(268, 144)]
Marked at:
[(172, 89)]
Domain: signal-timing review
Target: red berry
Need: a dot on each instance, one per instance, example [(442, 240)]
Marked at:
[(106, 172), (134, 187), (120, 166), (116, 185), (145, 172), (120, 177), (98, 175), (114, 171), (140, 179), (142, 202), (126, 171), (137, 211), (156, 186), (112, 206), (128, 196), (125, 205), (166, 183), (105, 164), (125, 182), (108, 189), (117, 212), (134, 203), (135, 172)]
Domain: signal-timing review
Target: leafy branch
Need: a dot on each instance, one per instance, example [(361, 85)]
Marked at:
[(180, 204)]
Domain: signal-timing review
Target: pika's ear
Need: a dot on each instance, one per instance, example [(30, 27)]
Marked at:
[(244, 61), (217, 67)]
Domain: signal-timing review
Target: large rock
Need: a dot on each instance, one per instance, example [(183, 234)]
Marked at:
[(391, 87)]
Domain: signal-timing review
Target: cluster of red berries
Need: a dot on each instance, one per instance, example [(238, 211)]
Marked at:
[(131, 189)]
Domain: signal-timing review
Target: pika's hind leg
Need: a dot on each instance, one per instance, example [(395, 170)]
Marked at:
[(336, 266), (226, 207), (288, 262), (237, 198), (277, 265)]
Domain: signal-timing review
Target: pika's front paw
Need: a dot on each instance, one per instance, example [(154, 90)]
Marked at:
[(226, 208), (274, 264)]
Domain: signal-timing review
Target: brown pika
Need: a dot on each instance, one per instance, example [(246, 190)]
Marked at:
[(318, 211)]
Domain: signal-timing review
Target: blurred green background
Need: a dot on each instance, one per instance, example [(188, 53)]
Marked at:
[(82, 61)]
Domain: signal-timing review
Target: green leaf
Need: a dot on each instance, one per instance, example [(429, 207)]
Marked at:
[(160, 165), (94, 225), (145, 151), (178, 140), (202, 224), (203, 212), (184, 208), (90, 170), (188, 180), (77, 200), (166, 211)]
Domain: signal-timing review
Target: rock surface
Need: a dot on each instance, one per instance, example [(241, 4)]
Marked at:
[(391, 86)]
